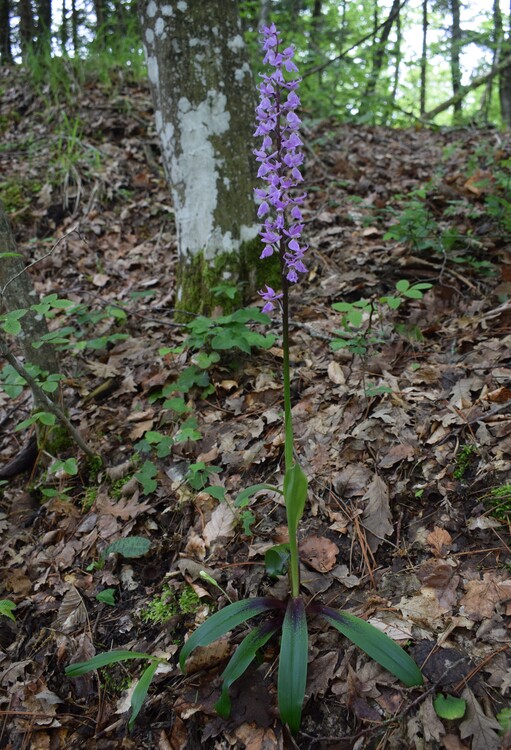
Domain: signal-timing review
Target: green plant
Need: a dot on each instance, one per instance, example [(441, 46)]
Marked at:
[(359, 333), (449, 707), (464, 458), (161, 608), (114, 657), (7, 608), (498, 501), (288, 617), (129, 546)]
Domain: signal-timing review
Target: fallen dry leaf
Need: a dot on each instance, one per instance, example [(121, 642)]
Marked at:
[(319, 552), (482, 597), (440, 541), (377, 517)]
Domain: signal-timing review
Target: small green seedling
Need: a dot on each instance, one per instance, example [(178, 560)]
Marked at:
[(449, 707)]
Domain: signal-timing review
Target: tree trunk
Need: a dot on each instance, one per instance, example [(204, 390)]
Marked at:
[(74, 27), (26, 26), (16, 293), (64, 32), (204, 96), (5, 33), (455, 61), (379, 48), (479, 81), (424, 57), (505, 75), (44, 25)]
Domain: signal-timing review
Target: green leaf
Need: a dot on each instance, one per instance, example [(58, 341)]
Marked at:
[(204, 360), (217, 492), (376, 644), (241, 659), (6, 608), (69, 466), (226, 619), (293, 664), (449, 707), (177, 404), (102, 660), (130, 546), (276, 560), (246, 494), (139, 694), (403, 285), (145, 476), (107, 596), (504, 719), (295, 494), (247, 518)]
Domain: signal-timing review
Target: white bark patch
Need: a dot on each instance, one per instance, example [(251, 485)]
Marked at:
[(159, 27), (158, 121), (152, 69), (166, 10), (151, 9), (182, 6), (149, 35), (236, 43), (240, 73), (195, 171)]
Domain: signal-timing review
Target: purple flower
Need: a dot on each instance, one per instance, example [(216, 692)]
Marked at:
[(280, 160), (270, 296)]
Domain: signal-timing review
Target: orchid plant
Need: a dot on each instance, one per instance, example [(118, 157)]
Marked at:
[(280, 158)]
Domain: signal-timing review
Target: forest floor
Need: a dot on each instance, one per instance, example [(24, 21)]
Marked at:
[(404, 432)]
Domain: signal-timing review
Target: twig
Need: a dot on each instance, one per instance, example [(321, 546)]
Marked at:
[(38, 260), (41, 395)]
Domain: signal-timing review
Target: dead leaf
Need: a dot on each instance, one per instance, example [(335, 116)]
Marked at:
[(482, 597), (319, 552), (377, 517), (483, 729), (72, 611), (220, 526), (336, 373), (440, 541), (206, 657)]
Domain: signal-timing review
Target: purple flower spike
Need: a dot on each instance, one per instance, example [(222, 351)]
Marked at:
[(280, 160)]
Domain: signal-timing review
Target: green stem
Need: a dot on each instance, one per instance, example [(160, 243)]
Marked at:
[(294, 569), (288, 420)]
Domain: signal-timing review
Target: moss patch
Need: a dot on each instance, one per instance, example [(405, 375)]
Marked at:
[(244, 270)]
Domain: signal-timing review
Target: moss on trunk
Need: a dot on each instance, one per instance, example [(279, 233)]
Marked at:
[(197, 276)]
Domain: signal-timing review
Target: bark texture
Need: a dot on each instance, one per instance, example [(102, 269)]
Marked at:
[(204, 99)]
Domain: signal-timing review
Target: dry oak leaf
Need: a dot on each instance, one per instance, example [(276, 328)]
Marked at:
[(477, 725), (482, 597), (440, 541), (319, 552)]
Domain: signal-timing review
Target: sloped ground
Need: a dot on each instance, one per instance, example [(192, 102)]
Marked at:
[(405, 435)]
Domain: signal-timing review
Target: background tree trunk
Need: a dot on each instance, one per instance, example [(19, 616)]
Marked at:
[(379, 48), (17, 294), (424, 57), (26, 26), (505, 75), (204, 98), (5, 33), (455, 60)]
